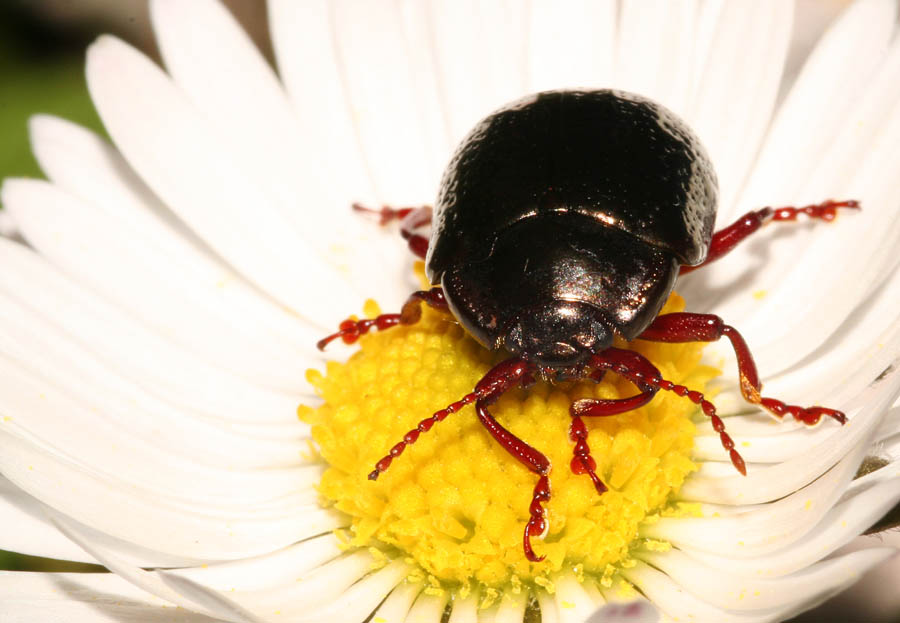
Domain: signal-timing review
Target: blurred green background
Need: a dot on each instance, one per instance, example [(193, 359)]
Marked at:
[(41, 70)]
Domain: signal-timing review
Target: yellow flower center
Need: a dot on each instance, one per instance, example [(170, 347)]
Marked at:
[(455, 501)]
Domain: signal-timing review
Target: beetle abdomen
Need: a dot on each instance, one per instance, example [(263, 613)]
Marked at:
[(618, 158)]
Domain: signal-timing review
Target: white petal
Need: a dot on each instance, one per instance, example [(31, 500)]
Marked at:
[(571, 602), (715, 482), (315, 589), (772, 448), (767, 527), (740, 76), (570, 44), (28, 531), (511, 609), (396, 607), (826, 91), (307, 60), (8, 227), (549, 611), (840, 525), (874, 105), (68, 375), (176, 151), (147, 580), (275, 569), (807, 309), (428, 608), (386, 102), (172, 525), (258, 121), (83, 598), (242, 100), (480, 52), (464, 610), (655, 54), (213, 600), (302, 34), (877, 227), (320, 587), (679, 603), (72, 236), (291, 587), (638, 611), (729, 591), (149, 359), (33, 523), (862, 348), (87, 167), (822, 103), (359, 600)]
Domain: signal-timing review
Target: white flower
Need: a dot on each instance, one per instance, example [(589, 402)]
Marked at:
[(156, 328)]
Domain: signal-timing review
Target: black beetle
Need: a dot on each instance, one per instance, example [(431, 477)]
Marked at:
[(563, 220)]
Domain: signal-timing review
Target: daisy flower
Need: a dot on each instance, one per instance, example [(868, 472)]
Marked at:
[(162, 297)]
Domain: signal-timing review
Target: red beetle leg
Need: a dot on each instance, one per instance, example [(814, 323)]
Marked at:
[(411, 219), (687, 327), (498, 380), (726, 239), (582, 461), (350, 330)]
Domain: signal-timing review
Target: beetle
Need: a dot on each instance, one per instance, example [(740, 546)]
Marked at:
[(563, 220)]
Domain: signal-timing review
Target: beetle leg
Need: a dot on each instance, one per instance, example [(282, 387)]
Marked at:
[(726, 239), (410, 220), (497, 381), (350, 330), (637, 369), (535, 461), (688, 327), (500, 378), (582, 461)]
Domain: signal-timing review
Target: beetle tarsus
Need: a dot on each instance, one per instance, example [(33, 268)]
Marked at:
[(825, 211), (537, 524), (806, 415), (582, 461)]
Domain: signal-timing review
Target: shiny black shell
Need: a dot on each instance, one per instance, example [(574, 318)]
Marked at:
[(591, 197)]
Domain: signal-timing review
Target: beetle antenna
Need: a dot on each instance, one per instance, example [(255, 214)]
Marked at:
[(637, 369)]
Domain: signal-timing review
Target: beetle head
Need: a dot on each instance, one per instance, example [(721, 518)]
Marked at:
[(558, 334)]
